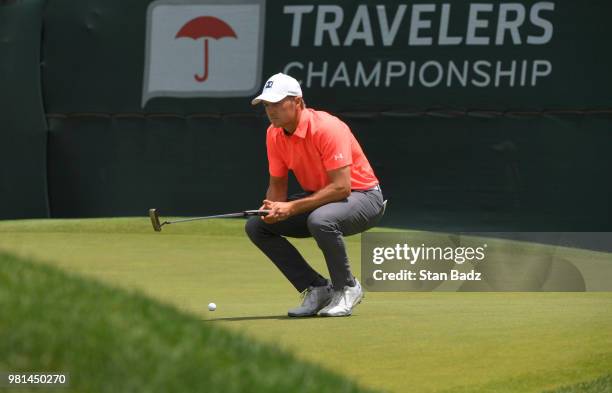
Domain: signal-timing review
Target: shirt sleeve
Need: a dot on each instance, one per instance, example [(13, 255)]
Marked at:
[(334, 144), (276, 164)]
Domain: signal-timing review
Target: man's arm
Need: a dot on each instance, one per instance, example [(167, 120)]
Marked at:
[(339, 188), (277, 189)]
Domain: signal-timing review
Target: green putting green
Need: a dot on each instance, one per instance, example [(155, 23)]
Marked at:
[(400, 342), (107, 340)]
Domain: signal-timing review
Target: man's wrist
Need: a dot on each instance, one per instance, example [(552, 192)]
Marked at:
[(294, 207), (306, 204)]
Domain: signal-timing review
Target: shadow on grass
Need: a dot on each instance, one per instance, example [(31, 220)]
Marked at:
[(257, 317)]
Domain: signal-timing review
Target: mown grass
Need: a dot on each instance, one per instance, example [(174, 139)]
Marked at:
[(599, 385), (401, 342), (109, 340)]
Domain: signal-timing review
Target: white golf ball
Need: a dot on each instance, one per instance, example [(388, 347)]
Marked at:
[(212, 306)]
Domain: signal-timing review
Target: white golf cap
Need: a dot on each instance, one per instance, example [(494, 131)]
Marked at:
[(278, 87)]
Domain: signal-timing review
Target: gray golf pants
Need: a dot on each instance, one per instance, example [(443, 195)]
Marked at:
[(327, 224)]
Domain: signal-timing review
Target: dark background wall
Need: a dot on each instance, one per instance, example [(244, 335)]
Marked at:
[(76, 141), (23, 130)]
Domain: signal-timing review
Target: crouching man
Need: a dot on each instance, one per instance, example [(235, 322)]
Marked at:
[(342, 197)]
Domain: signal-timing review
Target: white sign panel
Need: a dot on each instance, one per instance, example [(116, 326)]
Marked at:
[(203, 49)]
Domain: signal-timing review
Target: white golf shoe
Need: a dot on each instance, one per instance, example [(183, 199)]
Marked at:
[(315, 298), (343, 302)]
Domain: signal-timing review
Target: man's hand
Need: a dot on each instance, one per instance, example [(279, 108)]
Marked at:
[(279, 211), (268, 219)]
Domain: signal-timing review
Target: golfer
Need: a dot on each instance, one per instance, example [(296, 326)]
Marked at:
[(341, 197)]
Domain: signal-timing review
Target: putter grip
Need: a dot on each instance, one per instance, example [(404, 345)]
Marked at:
[(256, 212)]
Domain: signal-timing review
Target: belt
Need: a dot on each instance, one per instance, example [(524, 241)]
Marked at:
[(375, 188)]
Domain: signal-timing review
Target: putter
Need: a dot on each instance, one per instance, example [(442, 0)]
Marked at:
[(157, 225)]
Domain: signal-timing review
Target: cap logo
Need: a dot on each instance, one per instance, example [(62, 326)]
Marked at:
[(268, 84)]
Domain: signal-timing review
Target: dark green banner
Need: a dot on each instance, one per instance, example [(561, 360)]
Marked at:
[(212, 56), (149, 106), (23, 131)]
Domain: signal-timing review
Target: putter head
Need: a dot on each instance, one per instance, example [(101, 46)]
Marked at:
[(155, 220)]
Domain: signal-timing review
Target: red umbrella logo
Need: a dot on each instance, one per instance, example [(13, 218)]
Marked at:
[(207, 27)]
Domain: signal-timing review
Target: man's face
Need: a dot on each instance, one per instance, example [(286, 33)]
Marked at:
[(282, 113)]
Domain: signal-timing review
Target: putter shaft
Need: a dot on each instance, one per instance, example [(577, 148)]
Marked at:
[(153, 214)]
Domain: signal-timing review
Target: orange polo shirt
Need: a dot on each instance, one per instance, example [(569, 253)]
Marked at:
[(320, 143)]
